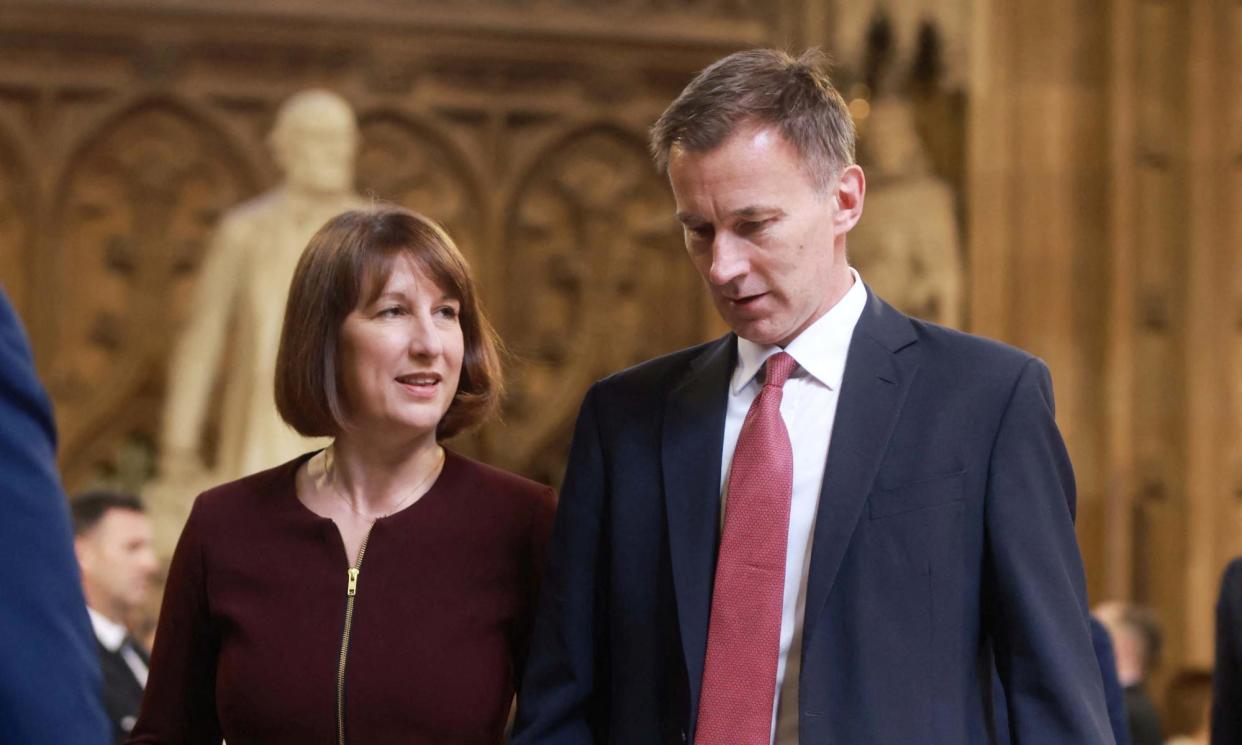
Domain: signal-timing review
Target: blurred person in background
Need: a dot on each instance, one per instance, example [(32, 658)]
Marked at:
[(379, 591), (49, 673), (1136, 640), (112, 540), (1188, 705)]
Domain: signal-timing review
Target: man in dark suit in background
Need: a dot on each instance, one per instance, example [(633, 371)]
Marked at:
[(49, 673), (1227, 677), (113, 542), (829, 526)]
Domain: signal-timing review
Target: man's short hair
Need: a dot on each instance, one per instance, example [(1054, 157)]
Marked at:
[(346, 265), (766, 87), (88, 508)]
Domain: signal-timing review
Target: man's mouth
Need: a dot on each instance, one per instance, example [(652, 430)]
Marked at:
[(745, 301)]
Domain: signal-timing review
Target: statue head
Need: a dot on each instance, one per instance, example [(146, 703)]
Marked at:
[(315, 141), (892, 140)]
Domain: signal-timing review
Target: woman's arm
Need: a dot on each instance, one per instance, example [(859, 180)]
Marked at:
[(179, 703)]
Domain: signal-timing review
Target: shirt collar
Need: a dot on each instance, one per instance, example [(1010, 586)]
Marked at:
[(820, 349), (109, 633)]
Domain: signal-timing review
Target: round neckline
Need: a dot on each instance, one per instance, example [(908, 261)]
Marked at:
[(451, 462)]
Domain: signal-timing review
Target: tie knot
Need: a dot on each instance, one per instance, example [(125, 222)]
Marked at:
[(779, 367)]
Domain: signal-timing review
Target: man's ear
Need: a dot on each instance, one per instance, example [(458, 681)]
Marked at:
[(78, 549), (81, 551), (849, 192)]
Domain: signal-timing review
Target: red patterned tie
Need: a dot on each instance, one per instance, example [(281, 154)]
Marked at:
[(744, 633)]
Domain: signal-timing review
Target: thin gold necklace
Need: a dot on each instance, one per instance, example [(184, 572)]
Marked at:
[(331, 471)]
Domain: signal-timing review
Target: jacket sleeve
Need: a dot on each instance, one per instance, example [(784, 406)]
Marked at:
[(179, 703), (1227, 678), (535, 558), (558, 703), (1035, 606), (49, 672)]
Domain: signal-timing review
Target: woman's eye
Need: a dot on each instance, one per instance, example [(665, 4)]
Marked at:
[(392, 310), (447, 311)]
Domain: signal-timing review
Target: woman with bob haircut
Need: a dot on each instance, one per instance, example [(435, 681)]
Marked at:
[(380, 590)]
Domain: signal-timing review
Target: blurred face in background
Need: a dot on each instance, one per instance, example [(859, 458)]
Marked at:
[(118, 562)]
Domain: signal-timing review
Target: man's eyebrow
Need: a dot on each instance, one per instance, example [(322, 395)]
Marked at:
[(753, 211), (745, 213)]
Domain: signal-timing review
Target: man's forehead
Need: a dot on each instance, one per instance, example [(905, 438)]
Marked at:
[(121, 519)]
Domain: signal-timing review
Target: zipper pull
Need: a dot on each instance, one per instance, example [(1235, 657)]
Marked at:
[(353, 582)]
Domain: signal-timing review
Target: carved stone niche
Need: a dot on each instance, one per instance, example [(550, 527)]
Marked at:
[(596, 280), (136, 203), (408, 162)]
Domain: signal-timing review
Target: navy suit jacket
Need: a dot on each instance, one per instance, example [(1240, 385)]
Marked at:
[(943, 547), (1114, 696), (1227, 677), (49, 672)]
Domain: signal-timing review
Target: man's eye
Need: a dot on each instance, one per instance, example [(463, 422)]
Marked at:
[(700, 232)]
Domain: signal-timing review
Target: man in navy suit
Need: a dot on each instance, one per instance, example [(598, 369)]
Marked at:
[(49, 674), (830, 526), (1227, 678)]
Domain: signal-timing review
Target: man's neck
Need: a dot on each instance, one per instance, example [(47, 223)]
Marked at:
[(110, 633), (101, 606)]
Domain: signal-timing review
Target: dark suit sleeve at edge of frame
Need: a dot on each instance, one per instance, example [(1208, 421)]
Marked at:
[(49, 672), (1227, 678), (1035, 606), (557, 702)]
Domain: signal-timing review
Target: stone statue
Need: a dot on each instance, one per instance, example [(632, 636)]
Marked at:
[(906, 246), (222, 365), (951, 20)]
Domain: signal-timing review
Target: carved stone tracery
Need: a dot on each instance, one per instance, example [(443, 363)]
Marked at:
[(595, 281), (137, 203)]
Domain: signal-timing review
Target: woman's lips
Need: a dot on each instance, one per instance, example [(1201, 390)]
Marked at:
[(422, 385)]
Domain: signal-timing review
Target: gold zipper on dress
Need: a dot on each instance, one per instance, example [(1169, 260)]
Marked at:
[(351, 593)]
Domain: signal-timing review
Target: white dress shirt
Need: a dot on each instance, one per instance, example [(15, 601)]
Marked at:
[(808, 407), (112, 635)]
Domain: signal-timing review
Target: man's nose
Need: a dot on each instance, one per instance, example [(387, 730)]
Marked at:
[(728, 259), (150, 562)]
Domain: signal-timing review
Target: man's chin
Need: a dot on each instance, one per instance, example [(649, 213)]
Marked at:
[(759, 332)]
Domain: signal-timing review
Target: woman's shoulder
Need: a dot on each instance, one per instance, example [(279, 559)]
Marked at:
[(246, 496), (497, 483)]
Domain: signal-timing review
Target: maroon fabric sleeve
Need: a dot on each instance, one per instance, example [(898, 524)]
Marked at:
[(178, 706)]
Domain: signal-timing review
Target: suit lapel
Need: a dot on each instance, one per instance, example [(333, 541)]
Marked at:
[(693, 435), (873, 390)]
